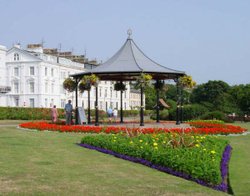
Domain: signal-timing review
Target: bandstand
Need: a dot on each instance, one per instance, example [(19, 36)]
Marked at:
[(126, 65)]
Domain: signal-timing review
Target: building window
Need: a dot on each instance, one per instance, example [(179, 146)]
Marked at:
[(46, 71), (52, 72), (16, 71), (32, 102), (111, 92), (16, 87), (32, 71), (106, 92), (52, 103), (46, 102), (46, 87), (32, 87), (62, 75), (62, 103), (100, 105), (52, 88), (16, 57), (16, 102), (62, 90), (100, 92), (116, 94)]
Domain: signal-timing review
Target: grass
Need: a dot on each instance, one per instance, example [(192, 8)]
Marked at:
[(239, 167), (42, 163)]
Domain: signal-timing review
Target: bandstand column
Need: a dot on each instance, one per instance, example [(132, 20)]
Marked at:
[(142, 110), (76, 107), (121, 110), (89, 120), (96, 106), (157, 103)]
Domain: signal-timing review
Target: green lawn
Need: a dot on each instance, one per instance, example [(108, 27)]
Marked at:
[(43, 163)]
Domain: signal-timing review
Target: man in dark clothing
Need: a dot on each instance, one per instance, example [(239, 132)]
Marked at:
[(68, 112)]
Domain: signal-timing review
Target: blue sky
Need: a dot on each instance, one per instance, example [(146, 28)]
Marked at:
[(208, 39)]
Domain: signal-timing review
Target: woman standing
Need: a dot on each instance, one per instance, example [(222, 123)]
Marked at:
[(54, 114)]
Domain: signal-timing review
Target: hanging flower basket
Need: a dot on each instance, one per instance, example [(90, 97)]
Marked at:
[(143, 80), (120, 86), (187, 82), (87, 82), (84, 86), (69, 85), (92, 79)]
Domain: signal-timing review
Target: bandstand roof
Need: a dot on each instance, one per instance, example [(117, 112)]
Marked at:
[(129, 62)]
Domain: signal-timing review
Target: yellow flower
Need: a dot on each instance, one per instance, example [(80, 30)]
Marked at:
[(213, 152), (164, 142), (204, 149), (131, 142), (114, 140), (140, 141), (155, 144), (197, 145)]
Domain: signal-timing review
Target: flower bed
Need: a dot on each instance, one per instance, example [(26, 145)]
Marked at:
[(216, 127), (203, 159), (183, 152), (198, 128)]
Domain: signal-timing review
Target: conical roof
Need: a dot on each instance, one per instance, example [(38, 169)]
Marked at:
[(130, 61)]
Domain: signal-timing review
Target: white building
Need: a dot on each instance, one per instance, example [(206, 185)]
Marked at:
[(36, 80)]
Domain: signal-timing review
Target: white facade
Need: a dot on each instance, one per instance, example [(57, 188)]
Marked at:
[(36, 80)]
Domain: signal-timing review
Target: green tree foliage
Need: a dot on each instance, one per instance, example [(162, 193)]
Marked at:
[(214, 94), (210, 92), (241, 97)]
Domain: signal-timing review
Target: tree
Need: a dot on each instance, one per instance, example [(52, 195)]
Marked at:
[(241, 97), (211, 92)]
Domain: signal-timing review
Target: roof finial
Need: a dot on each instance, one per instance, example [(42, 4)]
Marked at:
[(129, 32)]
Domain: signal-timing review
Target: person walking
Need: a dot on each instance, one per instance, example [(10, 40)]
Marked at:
[(110, 113), (54, 114), (115, 114), (68, 112)]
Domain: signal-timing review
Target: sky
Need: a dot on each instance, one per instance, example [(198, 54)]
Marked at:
[(208, 39)]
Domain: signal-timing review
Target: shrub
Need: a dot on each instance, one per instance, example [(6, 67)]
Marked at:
[(215, 115), (20, 113), (163, 115), (189, 112)]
